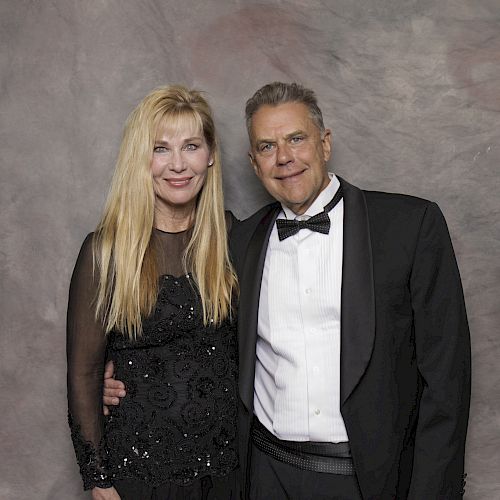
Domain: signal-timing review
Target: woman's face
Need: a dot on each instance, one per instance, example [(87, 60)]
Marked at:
[(181, 157)]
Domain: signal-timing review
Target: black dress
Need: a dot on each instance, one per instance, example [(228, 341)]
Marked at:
[(174, 434)]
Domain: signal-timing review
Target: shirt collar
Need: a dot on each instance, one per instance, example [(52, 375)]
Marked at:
[(319, 203)]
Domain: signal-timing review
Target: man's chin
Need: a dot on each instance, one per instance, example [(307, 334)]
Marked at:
[(298, 207)]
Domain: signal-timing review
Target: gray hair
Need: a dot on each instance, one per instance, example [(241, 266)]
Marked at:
[(276, 93)]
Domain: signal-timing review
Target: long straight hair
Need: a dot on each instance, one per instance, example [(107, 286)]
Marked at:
[(123, 249)]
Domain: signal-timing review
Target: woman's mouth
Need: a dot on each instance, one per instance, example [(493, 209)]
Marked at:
[(179, 182)]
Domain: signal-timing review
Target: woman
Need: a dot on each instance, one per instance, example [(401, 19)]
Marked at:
[(152, 290)]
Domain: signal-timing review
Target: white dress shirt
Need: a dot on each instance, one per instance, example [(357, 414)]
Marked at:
[(297, 372)]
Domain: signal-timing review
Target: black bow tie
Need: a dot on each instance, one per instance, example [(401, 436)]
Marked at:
[(319, 223)]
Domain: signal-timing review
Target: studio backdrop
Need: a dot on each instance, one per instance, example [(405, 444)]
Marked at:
[(410, 88)]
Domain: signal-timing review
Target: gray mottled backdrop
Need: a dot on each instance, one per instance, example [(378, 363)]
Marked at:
[(412, 92)]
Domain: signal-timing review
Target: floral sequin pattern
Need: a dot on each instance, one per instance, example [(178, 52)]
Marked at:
[(177, 421), (93, 462)]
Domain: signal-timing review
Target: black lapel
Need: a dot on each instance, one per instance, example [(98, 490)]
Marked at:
[(358, 298), (250, 283)]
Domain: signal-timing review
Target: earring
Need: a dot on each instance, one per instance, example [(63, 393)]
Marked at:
[(211, 163)]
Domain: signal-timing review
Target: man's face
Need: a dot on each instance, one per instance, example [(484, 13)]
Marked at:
[(289, 154)]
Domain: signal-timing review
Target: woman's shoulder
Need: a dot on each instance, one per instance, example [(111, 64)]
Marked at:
[(86, 255), (88, 244)]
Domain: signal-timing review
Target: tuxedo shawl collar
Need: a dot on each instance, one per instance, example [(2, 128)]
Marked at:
[(358, 304), (357, 323)]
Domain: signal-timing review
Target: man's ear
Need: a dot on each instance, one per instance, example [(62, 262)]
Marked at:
[(253, 163), (326, 144)]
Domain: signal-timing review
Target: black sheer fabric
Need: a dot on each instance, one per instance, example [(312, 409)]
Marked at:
[(177, 422)]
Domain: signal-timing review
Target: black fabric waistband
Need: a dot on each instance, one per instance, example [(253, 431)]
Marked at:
[(333, 458)]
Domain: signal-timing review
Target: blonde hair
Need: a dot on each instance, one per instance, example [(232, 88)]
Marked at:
[(124, 253)]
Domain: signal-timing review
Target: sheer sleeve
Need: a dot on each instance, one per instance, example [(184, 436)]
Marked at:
[(86, 352)]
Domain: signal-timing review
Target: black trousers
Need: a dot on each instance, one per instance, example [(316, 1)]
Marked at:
[(272, 479)]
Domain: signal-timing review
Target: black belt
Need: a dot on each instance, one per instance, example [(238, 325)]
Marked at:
[(333, 458)]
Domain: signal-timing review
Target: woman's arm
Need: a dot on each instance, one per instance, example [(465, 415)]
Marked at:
[(86, 348)]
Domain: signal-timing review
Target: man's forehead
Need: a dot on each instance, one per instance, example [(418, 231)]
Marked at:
[(285, 118)]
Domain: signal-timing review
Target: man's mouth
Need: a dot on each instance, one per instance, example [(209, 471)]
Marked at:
[(290, 176)]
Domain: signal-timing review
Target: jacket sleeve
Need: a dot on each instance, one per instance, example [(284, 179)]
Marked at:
[(86, 349), (443, 360)]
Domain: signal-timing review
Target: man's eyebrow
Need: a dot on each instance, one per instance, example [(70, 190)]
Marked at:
[(258, 142), (287, 136), (294, 133)]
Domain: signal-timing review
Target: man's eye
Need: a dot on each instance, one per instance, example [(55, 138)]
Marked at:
[(160, 149), (297, 139), (264, 148)]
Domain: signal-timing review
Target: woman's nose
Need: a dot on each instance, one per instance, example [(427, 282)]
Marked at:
[(176, 163)]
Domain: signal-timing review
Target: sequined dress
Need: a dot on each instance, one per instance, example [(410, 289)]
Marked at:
[(177, 423)]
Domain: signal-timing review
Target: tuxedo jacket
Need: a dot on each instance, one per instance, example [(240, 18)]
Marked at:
[(405, 348)]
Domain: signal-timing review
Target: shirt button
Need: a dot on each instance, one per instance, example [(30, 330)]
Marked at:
[(315, 370), (308, 291), (316, 411)]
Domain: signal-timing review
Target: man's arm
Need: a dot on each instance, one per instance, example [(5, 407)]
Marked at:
[(113, 389), (443, 359)]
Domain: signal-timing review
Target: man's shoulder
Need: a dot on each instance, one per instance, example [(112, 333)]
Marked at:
[(401, 214), (384, 200), (258, 217), (395, 199), (381, 202), (242, 231)]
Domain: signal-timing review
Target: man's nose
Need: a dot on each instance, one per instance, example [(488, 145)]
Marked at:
[(284, 154)]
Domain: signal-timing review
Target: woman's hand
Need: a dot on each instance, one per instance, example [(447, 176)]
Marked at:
[(105, 494)]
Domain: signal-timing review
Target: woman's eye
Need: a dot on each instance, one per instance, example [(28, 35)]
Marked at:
[(159, 149), (191, 147)]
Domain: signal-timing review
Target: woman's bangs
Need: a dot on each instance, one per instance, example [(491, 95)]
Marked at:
[(180, 122)]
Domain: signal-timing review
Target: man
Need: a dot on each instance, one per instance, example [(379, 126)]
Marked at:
[(353, 337)]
